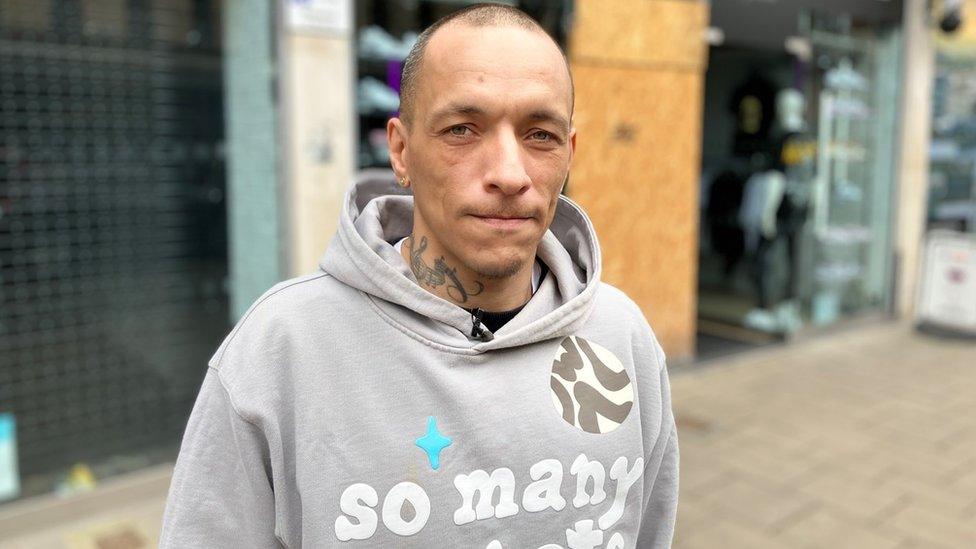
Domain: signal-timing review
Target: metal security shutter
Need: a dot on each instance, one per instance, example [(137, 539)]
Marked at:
[(112, 227)]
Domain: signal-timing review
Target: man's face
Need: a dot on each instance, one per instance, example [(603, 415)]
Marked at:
[(489, 144)]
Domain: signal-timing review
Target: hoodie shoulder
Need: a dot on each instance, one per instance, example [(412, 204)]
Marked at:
[(615, 298), (614, 302), (255, 362), (262, 337)]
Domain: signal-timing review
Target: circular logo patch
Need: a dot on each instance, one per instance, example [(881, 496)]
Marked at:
[(590, 387)]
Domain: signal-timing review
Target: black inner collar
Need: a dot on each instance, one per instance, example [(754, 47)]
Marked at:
[(495, 320)]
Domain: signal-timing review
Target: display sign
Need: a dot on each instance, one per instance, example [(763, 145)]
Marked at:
[(9, 475), (319, 16), (947, 293)]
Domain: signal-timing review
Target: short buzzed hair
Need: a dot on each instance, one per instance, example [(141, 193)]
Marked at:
[(478, 15)]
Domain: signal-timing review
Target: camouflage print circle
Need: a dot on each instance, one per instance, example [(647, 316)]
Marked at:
[(590, 387)]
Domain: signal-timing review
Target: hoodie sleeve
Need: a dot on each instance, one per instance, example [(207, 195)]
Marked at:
[(221, 495), (660, 506)]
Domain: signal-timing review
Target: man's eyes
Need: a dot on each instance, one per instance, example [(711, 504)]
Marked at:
[(539, 136)]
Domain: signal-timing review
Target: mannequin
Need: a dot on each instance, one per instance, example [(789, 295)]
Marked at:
[(774, 209)]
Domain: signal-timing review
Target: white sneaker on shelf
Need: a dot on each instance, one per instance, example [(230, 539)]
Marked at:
[(376, 43), (374, 96)]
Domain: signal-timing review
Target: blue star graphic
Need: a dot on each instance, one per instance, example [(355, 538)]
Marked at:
[(433, 442)]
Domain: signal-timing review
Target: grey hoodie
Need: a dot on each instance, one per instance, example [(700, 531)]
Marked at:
[(352, 408)]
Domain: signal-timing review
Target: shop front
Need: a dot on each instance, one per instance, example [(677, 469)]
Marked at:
[(798, 177), (113, 243)]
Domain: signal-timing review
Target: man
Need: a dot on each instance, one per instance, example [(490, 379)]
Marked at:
[(456, 375)]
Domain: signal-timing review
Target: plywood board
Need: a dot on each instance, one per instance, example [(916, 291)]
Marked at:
[(661, 33), (636, 174)]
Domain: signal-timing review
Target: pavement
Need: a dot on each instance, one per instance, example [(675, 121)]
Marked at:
[(863, 438)]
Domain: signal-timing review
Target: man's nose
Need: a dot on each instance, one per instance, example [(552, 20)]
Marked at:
[(506, 166)]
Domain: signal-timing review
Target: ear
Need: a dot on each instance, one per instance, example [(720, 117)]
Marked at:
[(572, 143), (396, 137), (572, 153)]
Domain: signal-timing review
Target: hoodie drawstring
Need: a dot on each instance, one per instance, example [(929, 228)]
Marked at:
[(477, 331)]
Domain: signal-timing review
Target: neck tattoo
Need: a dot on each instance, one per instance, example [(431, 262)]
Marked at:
[(440, 275)]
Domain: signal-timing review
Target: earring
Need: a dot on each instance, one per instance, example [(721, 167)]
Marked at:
[(403, 181)]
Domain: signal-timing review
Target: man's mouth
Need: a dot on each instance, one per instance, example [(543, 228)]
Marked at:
[(503, 221)]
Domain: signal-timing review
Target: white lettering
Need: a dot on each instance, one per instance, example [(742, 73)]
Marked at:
[(625, 479), (478, 481), (393, 507), (583, 536), (584, 470), (349, 502), (616, 541), (544, 494)]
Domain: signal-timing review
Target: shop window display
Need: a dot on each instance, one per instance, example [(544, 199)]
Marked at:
[(849, 251), (773, 212), (796, 182), (952, 157), (752, 190)]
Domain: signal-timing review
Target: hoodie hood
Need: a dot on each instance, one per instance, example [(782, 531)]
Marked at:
[(377, 213)]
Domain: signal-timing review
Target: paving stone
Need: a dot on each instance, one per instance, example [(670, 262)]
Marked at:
[(691, 518), (915, 542), (760, 505), (761, 462), (852, 496), (865, 438), (730, 533), (927, 524), (951, 501), (700, 475), (824, 528)]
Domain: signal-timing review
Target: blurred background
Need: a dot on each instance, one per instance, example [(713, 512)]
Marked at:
[(786, 187)]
